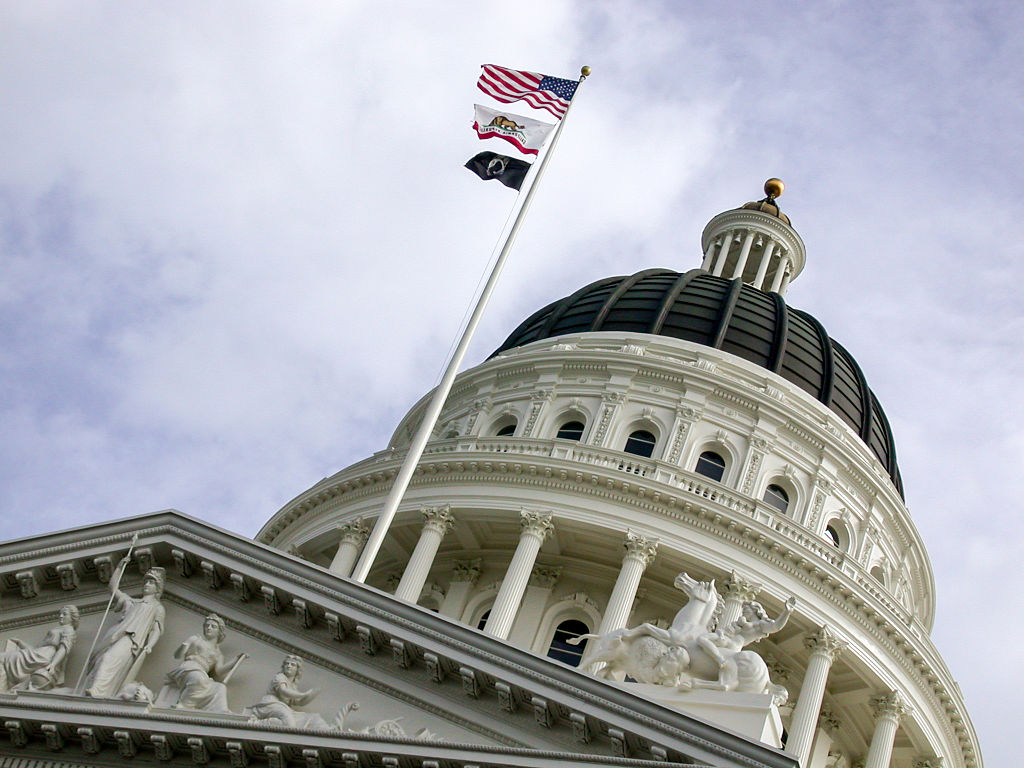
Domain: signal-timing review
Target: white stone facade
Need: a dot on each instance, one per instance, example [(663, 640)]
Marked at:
[(874, 588)]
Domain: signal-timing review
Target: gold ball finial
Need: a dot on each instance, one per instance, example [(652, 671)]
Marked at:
[(774, 187), (585, 71)]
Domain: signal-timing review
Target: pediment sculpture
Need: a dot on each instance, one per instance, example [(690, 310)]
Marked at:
[(200, 680), (689, 654), (117, 658), (39, 668)]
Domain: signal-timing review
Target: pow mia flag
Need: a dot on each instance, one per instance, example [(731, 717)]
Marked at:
[(508, 170)]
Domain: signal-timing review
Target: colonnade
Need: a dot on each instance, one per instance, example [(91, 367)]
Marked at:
[(753, 244), (522, 575)]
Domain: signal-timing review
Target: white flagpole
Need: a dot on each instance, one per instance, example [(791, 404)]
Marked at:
[(419, 441)]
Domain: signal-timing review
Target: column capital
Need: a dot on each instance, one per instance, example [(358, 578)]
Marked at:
[(640, 548), (890, 705), (535, 523), (354, 532), (438, 519), (927, 762), (824, 642), (739, 587), (466, 571), (827, 720), (544, 576)]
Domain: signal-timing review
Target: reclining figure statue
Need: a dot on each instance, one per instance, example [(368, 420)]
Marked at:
[(688, 654)]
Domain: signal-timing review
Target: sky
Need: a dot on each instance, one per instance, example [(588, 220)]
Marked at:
[(237, 240)]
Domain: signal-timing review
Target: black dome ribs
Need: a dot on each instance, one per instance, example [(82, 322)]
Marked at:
[(734, 317)]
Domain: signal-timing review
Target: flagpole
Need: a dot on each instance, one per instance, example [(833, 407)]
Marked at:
[(426, 428)]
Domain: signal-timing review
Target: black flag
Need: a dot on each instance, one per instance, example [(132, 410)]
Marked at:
[(508, 170)]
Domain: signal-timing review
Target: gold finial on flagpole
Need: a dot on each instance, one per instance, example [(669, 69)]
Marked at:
[(585, 71)]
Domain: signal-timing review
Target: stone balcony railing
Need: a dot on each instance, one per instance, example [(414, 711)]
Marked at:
[(689, 483)]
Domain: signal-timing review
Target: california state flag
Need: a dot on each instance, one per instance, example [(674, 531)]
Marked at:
[(527, 135)]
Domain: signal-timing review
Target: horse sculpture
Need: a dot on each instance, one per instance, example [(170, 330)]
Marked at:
[(688, 654)]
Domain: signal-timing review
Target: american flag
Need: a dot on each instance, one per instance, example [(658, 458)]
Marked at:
[(537, 90)]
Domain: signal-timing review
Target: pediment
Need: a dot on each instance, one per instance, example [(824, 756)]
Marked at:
[(410, 684)]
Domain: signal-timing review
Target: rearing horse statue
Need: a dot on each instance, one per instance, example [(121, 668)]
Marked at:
[(688, 654)]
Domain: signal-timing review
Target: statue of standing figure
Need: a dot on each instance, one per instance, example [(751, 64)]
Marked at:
[(40, 668), (120, 653), (193, 684)]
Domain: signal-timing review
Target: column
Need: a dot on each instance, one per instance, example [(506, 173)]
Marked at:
[(741, 262), (888, 710), (738, 590), (437, 521), (785, 280), (464, 576), (762, 268), (780, 272), (535, 528), (706, 264), (723, 254), (825, 648), (535, 600), (353, 536), (640, 551)]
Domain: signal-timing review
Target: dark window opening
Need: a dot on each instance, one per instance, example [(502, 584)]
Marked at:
[(507, 431), (711, 465), (483, 619), (777, 497), (641, 443), (832, 535), (571, 430), (560, 648)]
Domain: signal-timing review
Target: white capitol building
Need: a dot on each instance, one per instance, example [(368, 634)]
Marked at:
[(643, 427)]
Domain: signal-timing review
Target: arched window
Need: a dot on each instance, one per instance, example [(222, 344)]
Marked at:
[(878, 574), (641, 443), (560, 648), (483, 619), (507, 431), (711, 465), (832, 535), (571, 430), (776, 496)]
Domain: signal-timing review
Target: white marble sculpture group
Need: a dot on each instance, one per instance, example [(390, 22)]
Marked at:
[(689, 654), (198, 682)]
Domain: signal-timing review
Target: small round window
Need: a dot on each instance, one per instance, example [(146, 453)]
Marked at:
[(776, 496), (571, 430), (711, 465), (641, 443)]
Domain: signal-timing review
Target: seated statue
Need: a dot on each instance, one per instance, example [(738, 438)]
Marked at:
[(277, 707), (40, 668), (193, 684)]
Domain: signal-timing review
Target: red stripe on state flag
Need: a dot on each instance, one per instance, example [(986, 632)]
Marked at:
[(486, 132)]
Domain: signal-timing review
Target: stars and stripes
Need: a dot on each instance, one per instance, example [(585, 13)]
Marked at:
[(539, 91)]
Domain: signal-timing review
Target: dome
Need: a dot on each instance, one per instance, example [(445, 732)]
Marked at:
[(768, 206), (731, 316)]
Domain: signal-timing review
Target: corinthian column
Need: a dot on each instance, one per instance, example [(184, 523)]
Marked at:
[(738, 590), (888, 710), (353, 536), (640, 551), (825, 648), (535, 528), (437, 521)]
